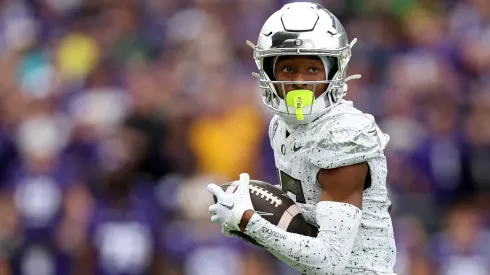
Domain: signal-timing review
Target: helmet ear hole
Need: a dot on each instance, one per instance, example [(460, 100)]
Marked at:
[(334, 69), (269, 68)]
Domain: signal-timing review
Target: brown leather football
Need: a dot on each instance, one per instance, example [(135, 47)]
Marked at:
[(275, 206)]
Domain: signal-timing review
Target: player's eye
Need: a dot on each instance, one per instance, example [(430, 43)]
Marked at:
[(287, 70), (313, 70)]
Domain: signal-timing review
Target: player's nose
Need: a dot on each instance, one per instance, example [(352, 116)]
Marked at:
[(299, 82)]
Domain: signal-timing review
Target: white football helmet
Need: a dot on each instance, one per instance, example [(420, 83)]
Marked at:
[(303, 29)]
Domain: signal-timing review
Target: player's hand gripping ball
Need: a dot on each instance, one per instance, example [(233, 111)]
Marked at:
[(229, 208), (266, 200)]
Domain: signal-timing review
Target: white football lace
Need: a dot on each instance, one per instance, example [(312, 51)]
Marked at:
[(269, 197)]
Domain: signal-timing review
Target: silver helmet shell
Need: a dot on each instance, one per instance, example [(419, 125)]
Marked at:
[(303, 29)]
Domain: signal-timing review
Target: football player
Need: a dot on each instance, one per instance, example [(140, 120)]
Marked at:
[(329, 155)]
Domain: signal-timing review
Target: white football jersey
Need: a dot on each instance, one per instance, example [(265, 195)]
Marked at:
[(343, 136)]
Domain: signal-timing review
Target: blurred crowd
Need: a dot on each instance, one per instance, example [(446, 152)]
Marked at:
[(115, 114)]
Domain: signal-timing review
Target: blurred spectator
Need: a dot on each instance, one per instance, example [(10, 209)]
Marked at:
[(464, 244), (123, 229), (411, 240), (226, 135), (48, 197)]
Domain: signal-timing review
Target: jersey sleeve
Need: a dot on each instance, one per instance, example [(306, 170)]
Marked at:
[(352, 140)]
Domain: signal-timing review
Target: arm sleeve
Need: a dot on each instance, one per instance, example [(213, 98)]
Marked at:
[(327, 253)]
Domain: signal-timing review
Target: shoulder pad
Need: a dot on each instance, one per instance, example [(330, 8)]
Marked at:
[(346, 139)]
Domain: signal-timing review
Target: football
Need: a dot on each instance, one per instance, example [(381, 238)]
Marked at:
[(274, 206)]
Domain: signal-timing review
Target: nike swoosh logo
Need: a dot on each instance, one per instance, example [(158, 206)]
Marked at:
[(296, 148), (264, 213), (229, 207)]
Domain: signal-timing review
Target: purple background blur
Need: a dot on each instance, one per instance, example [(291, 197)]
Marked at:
[(114, 115)]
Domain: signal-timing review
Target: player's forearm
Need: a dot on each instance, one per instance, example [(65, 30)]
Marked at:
[(327, 253)]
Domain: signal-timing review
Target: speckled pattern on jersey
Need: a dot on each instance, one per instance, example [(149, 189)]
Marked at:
[(344, 136)]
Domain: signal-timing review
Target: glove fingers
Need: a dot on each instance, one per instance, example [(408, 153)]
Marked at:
[(244, 182), (244, 177), (215, 219), (216, 190), (213, 208)]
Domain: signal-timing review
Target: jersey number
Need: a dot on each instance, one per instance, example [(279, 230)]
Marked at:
[(292, 185)]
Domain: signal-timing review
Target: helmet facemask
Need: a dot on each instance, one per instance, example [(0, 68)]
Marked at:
[(301, 106)]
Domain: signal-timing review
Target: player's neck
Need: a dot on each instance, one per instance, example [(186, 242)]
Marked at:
[(290, 127)]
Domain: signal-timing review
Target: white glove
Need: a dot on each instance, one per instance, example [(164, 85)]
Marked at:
[(229, 208)]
